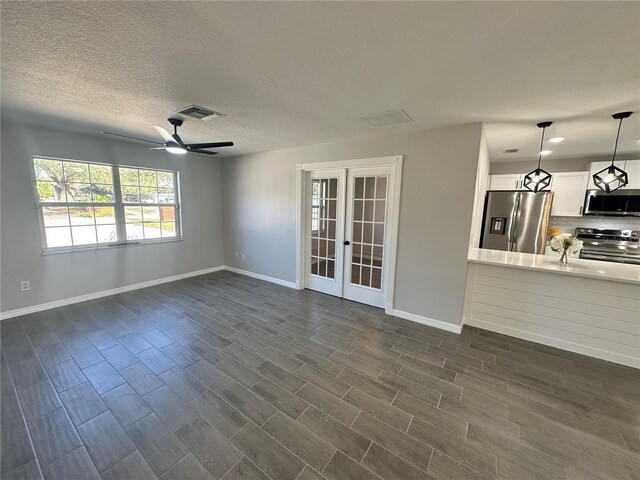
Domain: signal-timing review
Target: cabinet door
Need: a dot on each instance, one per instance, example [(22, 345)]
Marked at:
[(632, 167), (511, 181), (568, 193)]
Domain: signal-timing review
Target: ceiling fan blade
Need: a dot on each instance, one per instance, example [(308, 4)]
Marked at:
[(209, 145), (164, 134), (131, 138), (203, 152)]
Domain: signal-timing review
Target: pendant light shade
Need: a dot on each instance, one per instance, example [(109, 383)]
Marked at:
[(612, 178), (539, 179)]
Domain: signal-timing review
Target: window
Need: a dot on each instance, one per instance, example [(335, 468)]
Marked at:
[(83, 204)]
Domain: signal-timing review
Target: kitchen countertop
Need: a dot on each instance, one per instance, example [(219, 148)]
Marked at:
[(618, 272)]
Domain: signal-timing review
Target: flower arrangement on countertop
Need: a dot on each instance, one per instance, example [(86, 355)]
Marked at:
[(552, 232), (567, 244)]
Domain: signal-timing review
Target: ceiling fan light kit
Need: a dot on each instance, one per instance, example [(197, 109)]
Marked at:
[(538, 179), (173, 143), (612, 178)]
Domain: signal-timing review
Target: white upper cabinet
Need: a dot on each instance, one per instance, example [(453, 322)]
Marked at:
[(510, 181), (632, 167), (568, 193)]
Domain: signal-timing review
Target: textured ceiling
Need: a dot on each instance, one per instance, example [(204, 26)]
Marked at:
[(297, 73)]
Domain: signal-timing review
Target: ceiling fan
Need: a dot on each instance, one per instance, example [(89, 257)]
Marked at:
[(173, 143)]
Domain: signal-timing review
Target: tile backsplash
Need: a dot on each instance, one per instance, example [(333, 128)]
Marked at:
[(569, 224)]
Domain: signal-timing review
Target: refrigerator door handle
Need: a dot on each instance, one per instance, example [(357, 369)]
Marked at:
[(513, 231)]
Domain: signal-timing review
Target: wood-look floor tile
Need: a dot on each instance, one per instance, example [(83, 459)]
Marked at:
[(38, 399), (243, 355), (210, 447), (239, 372), (432, 382), (388, 465), (248, 403), (218, 413), (155, 360), (453, 447), (65, 375), (75, 465), (119, 357), (82, 403), (133, 467), (379, 409), (105, 440), (322, 380), (245, 469), (367, 384), (26, 471), (134, 343), (159, 447), (171, 409), (436, 416), (341, 467), (280, 359), (329, 404), (444, 467), (269, 455), (84, 353), (404, 446), (301, 441), (182, 384), (352, 363), (141, 379), (280, 376), (335, 433), (157, 338), (189, 468), (182, 356), (53, 354), (319, 363), (209, 376), (280, 398), (103, 377), (126, 405), (15, 448), (53, 436)]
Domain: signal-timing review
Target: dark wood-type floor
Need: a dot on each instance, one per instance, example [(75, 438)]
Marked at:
[(227, 377)]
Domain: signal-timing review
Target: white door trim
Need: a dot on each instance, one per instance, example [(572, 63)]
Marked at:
[(396, 162)]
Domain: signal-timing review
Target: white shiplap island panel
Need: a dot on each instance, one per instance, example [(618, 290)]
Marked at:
[(590, 314)]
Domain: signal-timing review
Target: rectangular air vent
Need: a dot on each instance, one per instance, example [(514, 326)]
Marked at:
[(200, 113), (392, 117), (510, 150)]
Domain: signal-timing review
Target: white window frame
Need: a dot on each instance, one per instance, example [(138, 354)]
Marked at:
[(118, 206)]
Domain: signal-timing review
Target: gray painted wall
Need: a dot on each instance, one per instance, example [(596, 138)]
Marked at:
[(436, 207), (63, 275)]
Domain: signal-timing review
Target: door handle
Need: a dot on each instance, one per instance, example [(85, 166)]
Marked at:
[(347, 242)]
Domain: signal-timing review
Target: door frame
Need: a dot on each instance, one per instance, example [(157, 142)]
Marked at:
[(395, 185)]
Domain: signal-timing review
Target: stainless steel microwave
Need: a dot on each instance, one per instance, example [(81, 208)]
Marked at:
[(621, 203)]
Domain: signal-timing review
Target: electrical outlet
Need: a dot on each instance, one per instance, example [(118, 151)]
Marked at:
[(237, 255), (25, 285), (243, 257)]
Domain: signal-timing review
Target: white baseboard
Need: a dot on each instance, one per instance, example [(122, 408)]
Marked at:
[(104, 293), (557, 343), (449, 327), (259, 276)]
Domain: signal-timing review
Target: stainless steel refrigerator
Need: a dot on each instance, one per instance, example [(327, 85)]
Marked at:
[(516, 221)]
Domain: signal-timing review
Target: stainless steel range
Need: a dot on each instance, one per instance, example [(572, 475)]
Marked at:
[(622, 246)]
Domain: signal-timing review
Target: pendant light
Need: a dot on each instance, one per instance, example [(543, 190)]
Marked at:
[(612, 178), (538, 179)]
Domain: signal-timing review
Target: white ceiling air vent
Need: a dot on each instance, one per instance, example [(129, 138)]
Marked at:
[(383, 119), (200, 113), (510, 150)]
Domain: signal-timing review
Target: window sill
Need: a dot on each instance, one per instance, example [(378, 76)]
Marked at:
[(106, 246)]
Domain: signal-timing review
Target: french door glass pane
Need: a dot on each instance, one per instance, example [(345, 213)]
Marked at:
[(367, 230), (324, 193)]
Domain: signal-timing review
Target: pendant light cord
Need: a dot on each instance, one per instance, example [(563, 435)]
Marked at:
[(615, 149), (542, 143)]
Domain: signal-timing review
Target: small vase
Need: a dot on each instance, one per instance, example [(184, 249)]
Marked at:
[(564, 258)]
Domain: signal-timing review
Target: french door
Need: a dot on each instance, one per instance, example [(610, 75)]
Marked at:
[(347, 231)]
